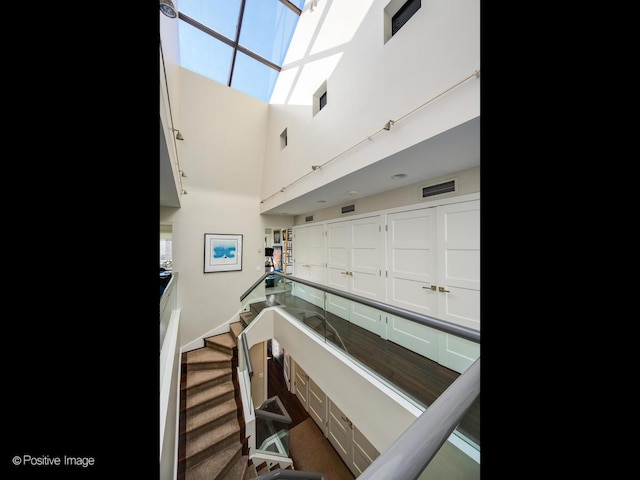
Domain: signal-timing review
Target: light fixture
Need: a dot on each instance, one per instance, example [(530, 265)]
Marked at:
[(184, 192), (178, 135), (398, 176), (166, 7), (387, 126), (351, 193), (315, 167), (182, 173)]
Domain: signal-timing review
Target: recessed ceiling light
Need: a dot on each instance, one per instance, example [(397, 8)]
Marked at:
[(322, 201), (398, 176), (351, 193)]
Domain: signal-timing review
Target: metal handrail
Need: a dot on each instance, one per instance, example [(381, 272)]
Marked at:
[(247, 358), (285, 474), (408, 456), (255, 284)]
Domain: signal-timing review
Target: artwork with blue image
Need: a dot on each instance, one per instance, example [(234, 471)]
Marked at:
[(222, 252)]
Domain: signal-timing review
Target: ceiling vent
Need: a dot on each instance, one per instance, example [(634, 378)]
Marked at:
[(439, 189), (308, 218), (349, 208)]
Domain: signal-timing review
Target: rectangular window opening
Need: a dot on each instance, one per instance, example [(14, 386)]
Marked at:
[(320, 98), (403, 15), (323, 100)]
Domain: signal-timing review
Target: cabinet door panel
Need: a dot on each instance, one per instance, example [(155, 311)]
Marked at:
[(301, 386), (459, 263), (363, 452), (339, 432), (318, 406), (411, 272)]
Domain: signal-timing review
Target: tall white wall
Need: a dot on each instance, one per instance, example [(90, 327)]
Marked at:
[(222, 156), (368, 83)]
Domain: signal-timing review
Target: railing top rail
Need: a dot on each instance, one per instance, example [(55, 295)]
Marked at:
[(412, 451), (285, 474)]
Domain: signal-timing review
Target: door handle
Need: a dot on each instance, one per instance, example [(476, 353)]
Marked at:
[(441, 289), (432, 287)]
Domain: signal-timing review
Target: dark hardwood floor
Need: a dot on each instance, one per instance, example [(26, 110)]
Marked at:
[(418, 377)]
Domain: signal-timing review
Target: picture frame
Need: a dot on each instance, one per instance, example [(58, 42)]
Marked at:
[(222, 252), (276, 236)]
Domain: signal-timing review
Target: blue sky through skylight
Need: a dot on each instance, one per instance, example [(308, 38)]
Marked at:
[(267, 29)]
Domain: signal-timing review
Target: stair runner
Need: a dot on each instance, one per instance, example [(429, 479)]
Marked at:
[(212, 443)]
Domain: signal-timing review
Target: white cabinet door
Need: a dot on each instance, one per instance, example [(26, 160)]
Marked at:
[(433, 268), (309, 262), (355, 256), (339, 433), (459, 280), (317, 403), (354, 449), (459, 263), (411, 278), (363, 452), (301, 385)]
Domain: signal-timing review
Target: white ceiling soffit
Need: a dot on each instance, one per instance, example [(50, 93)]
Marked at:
[(452, 151)]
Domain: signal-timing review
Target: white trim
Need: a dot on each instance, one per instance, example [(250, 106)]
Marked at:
[(167, 356)]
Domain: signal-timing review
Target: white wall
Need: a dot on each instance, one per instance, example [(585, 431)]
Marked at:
[(368, 83), (222, 155)]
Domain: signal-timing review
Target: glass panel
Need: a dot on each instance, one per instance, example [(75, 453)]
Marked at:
[(253, 78), (219, 16), (204, 54), (267, 28), (358, 330)]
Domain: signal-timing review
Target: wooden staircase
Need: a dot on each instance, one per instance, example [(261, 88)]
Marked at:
[(212, 444)]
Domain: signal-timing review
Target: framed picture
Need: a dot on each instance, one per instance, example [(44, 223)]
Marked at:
[(222, 252), (276, 236)]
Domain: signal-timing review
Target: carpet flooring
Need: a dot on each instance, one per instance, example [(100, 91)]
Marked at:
[(312, 452)]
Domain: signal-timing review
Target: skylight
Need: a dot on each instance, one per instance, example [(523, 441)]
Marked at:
[(239, 43)]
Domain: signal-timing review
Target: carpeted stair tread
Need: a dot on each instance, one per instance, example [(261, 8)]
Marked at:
[(225, 342), (236, 329), (210, 415), (225, 389), (239, 468), (223, 433), (197, 378), (207, 355), (247, 317), (212, 467)]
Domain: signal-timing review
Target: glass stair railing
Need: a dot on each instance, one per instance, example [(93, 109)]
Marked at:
[(451, 395)]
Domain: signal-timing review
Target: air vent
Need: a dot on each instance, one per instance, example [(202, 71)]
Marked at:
[(349, 208), (438, 189), (309, 218)]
